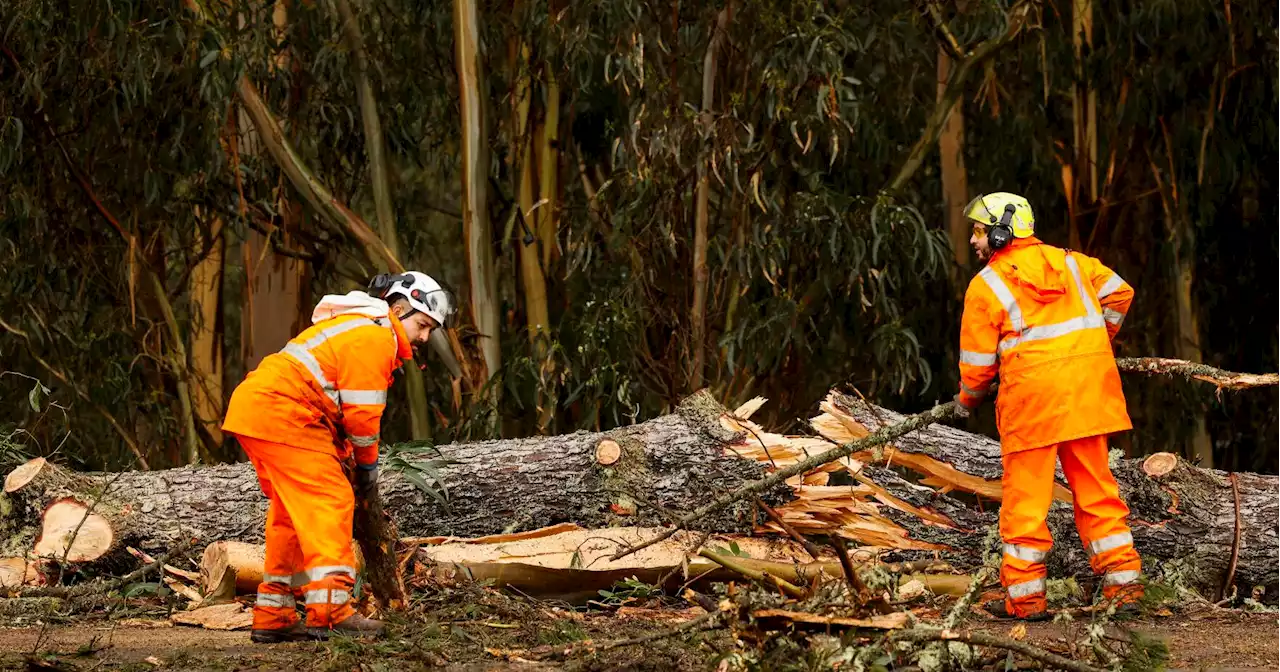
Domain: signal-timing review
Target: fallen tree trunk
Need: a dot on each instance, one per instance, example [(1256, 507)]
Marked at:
[(673, 461), (935, 490)]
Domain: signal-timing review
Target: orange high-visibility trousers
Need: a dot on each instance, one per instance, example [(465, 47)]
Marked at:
[(309, 553), (1100, 519)]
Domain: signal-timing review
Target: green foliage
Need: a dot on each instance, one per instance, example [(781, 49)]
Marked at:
[(410, 460), (627, 590), (732, 550)]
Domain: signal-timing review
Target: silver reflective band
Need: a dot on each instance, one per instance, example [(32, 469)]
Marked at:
[(1113, 317), (1075, 275), (972, 392), (365, 397), (1110, 286), (1002, 293), (327, 596), (1026, 588), (307, 360), (317, 573), (1109, 543), (273, 600), (363, 441), (1120, 578), (1025, 553), (276, 578), (330, 332), (977, 358), (1051, 331)]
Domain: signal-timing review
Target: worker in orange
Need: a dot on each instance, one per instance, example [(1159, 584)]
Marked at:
[(299, 416), (1043, 318)]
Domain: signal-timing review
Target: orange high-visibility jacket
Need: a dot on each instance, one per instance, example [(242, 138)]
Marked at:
[(1043, 318), (333, 376)]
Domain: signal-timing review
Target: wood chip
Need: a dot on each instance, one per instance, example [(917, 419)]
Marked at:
[(219, 617)]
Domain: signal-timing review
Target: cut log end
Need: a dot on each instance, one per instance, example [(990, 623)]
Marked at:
[(608, 452), (23, 474), (243, 561), (1159, 464), (69, 528)]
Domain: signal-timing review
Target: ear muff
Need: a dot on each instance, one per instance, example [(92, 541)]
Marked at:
[(382, 282), (1001, 233)]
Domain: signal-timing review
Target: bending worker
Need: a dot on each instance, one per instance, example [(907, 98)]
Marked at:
[(303, 412), (1043, 318)]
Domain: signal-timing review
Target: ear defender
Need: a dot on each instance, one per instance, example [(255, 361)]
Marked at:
[(1001, 233)]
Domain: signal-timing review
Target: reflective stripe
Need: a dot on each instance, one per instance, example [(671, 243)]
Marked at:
[(327, 596), (274, 600), (363, 441), (1120, 578), (1075, 275), (1109, 543), (298, 580), (330, 332), (366, 397), (1113, 317), (1025, 553), (972, 392), (1005, 297), (1026, 588), (977, 358), (276, 578), (1110, 286), (317, 573), (1052, 331), (307, 360)]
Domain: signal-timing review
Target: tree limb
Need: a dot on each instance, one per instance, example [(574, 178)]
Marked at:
[(984, 639), (1192, 371), (955, 88)]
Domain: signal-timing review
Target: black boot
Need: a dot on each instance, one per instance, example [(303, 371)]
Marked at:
[(293, 633), (997, 609)]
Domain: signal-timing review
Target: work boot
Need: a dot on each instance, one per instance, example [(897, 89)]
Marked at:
[(997, 609), (355, 625), (294, 633)]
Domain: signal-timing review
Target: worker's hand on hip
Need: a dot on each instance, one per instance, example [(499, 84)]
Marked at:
[(366, 479)]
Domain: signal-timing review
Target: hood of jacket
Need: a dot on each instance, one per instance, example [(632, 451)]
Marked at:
[(351, 303), (1036, 270)]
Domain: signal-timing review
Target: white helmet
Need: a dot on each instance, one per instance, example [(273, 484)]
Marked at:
[(423, 293)]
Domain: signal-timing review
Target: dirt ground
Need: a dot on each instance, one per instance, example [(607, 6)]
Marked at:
[(1218, 641)]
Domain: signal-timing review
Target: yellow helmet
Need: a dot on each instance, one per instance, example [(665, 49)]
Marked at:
[(989, 209)]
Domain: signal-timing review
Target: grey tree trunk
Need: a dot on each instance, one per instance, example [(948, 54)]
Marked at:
[(675, 461)]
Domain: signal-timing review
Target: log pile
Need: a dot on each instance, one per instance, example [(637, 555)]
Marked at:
[(933, 492)]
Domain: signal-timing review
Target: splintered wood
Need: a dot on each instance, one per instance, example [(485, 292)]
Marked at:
[(855, 511)]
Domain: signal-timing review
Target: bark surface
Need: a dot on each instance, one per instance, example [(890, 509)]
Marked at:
[(675, 461)]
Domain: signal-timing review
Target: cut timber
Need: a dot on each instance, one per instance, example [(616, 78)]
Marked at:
[(16, 572), (70, 531), (231, 616), (1159, 464), (607, 452), (243, 561)]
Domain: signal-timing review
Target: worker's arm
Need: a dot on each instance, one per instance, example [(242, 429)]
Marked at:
[(979, 336), (363, 376), (1112, 291)]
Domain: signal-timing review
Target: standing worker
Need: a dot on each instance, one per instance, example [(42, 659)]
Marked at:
[(1043, 318), (299, 416)]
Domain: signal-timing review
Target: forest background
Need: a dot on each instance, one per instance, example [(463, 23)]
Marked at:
[(631, 200)]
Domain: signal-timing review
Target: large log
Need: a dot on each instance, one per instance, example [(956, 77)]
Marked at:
[(674, 461), (1177, 511)]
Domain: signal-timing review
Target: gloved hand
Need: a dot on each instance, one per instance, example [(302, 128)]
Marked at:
[(962, 411), (366, 479)]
